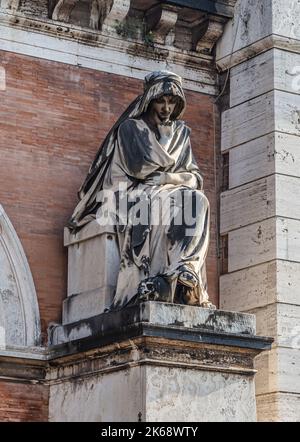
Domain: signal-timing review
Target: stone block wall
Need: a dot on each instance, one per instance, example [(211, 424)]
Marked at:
[(260, 213)]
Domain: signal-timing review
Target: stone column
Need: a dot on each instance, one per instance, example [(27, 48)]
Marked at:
[(260, 211), (155, 362)]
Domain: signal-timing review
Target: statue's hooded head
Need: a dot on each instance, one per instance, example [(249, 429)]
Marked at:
[(158, 84)]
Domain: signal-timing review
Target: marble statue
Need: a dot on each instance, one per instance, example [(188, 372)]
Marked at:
[(146, 182)]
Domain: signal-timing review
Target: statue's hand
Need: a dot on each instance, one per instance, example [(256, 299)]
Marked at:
[(181, 179), (156, 179), (166, 131)]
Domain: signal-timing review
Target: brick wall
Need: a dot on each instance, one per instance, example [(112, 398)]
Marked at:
[(52, 119), (23, 402)]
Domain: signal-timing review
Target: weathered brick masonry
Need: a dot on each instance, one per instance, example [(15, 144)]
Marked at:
[(53, 117), (23, 402)]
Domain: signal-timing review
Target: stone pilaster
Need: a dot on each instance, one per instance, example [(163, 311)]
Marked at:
[(260, 212)]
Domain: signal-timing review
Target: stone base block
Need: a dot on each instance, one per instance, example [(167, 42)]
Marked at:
[(93, 266), (87, 304), (154, 393)]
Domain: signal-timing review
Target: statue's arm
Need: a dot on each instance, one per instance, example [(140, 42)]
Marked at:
[(188, 164), (137, 157), (181, 179), (186, 171), (177, 179)]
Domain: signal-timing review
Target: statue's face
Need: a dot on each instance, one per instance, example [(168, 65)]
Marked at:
[(162, 108)]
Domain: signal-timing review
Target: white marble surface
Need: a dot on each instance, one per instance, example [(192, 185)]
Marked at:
[(260, 211), (282, 321), (274, 111), (274, 238), (19, 317), (160, 394), (192, 396), (160, 314), (274, 69), (276, 152), (93, 264), (247, 204), (257, 19), (93, 267), (278, 370), (276, 195), (279, 407), (260, 285), (114, 397)]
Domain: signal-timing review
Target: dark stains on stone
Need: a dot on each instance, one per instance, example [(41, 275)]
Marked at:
[(148, 51), (213, 322), (258, 236), (156, 288), (136, 145)]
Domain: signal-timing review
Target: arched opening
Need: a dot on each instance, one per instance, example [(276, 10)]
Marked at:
[(19, 312)]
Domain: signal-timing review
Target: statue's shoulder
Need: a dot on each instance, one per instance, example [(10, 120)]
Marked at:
[(182, 126), (128, 125)]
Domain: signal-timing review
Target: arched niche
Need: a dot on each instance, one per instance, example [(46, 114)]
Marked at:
[(19, 312)]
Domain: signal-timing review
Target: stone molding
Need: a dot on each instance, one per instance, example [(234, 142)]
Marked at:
[(71, 44), (163, 22), (132, 41), (50, 366), (259, 47), (19, 306), (148, 333)]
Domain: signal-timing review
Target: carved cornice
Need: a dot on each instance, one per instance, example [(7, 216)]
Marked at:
[(222, 8), (161, 21), (206, 34), (135, 36), (103, 14), (100, 12), (187, 24), (63, 9), (117, 13)]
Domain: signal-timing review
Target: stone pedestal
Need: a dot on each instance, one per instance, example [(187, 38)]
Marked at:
[(155, 362)]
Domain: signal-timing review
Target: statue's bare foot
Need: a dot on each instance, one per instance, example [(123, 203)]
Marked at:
[(207, 304), (155, 288), (147, 291)]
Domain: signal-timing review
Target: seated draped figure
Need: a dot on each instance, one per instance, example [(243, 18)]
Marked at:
[(145, 181)]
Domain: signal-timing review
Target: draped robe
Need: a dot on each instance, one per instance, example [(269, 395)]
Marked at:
[(152, 248)]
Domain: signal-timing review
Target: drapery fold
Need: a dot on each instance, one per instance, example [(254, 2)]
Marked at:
[(162, 229)]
